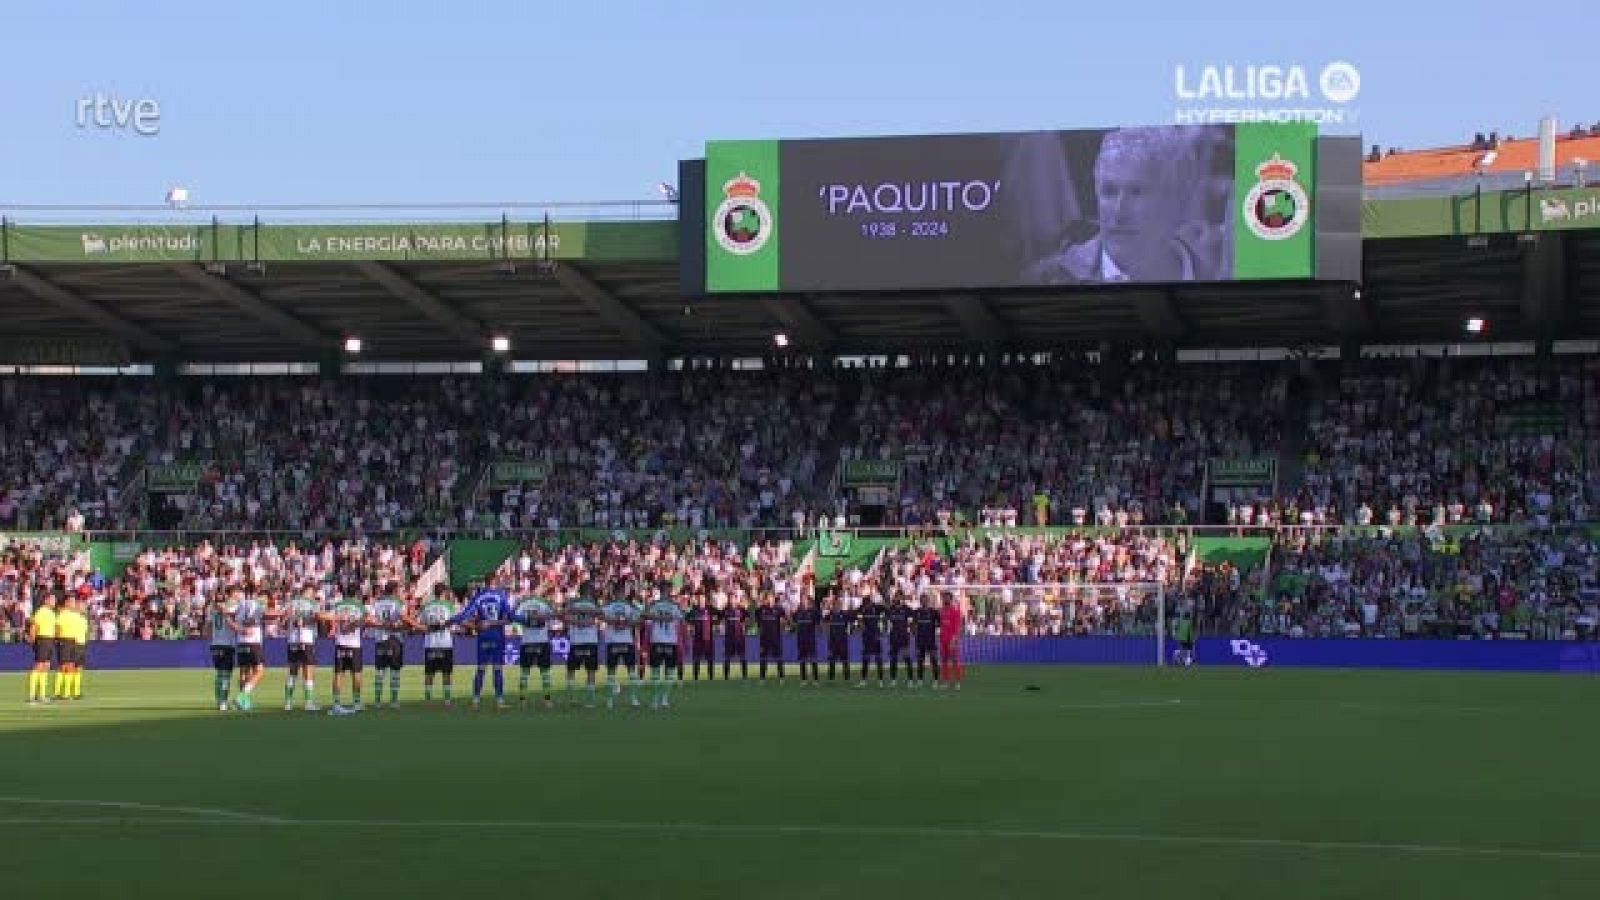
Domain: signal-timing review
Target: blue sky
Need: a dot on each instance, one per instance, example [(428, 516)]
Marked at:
[(335, 102)]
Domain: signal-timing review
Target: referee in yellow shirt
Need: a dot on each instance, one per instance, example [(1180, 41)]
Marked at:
[(42, 633), (72, 641)]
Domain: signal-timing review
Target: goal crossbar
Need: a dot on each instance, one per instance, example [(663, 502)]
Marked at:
[(1156, 590)]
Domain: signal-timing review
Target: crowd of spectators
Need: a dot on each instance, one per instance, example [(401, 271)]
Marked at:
[(1428, 442), (65, 450), (716, 572), (1542, 585), (1057, 445), (163, 592), (1029, 584), (694, 449), (1437, 442)]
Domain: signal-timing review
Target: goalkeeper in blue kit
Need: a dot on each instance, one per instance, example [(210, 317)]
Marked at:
[(488, 612)]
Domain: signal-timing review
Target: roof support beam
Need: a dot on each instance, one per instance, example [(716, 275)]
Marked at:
[(795, 315), (1159, 314), (978, 322), (420, 299), (1544, 287), (621, 316), (287, 326), (89, 310)]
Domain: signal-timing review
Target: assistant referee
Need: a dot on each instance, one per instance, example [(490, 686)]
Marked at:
[(42, 633), (72, 643)]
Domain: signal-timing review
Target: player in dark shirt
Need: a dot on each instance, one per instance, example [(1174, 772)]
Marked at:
[(871, 617), (733, 639), (806, 618), (769, 624), (899, 617), (838, 622), (702, 636), (926, 619)]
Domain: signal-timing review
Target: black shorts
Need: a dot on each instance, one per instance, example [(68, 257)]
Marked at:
[(704, 650), (302, 656), (872, 647), (250, 656), (537, 654), (899, 645), (347, 659), (733, 647), (70, 652), (585, 656), (838, 650), (621, 654), (664, 655), (222, 658), (927, 646), (772, 648), (439, 659), (44, 650), (389, 653), (807, 645)]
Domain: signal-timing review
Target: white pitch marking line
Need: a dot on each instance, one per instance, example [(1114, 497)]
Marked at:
[(1127, 704), (198, 811), (839, 831)]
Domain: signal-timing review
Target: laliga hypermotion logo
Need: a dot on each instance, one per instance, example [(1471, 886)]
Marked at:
[(743, 223), (1277, 207), (1254, 655)]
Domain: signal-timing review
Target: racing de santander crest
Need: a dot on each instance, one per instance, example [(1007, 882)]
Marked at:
[(1277, 207), (742, 223)]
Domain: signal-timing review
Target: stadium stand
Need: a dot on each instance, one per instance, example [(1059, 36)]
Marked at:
[(161, 594), (1065, 446)]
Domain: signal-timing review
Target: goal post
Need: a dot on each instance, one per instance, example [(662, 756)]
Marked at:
[(1114, 608)]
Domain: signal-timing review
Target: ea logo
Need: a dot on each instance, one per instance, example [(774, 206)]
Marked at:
[(1340, 82)]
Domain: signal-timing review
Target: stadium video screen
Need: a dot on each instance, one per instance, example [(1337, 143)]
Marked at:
[(1187, 203)]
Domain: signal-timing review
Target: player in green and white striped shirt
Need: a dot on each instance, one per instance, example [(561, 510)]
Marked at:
[(300, 620), (389, 638), (534, 615), (439, 643), (346, 618)]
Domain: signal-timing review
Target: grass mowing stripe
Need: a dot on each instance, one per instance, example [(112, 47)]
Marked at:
[(851, 832)]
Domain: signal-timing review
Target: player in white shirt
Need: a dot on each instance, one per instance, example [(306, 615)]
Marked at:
[(664, 621), (224, 650), (301, 626), (582, 620), (346, 618), (534, 614), (249, 616), (439, 642), (622, 648), (388, 613)]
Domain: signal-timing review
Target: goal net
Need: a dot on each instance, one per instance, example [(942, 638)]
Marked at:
[(1064, 609)]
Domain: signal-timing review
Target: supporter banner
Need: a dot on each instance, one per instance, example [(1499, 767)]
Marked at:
[(334, 242), (1242, 472), (1184, 203), (835, 544), (1260, 654), (865, 472), (509, 472), (50, 543), (175, 478)]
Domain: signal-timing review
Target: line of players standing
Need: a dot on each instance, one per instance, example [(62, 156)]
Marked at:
[(919, 638), (912, 634)]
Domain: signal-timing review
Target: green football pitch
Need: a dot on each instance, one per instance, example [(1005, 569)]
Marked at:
[(1098, 783)]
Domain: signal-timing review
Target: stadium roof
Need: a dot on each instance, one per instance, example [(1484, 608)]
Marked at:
[(610, 290)]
